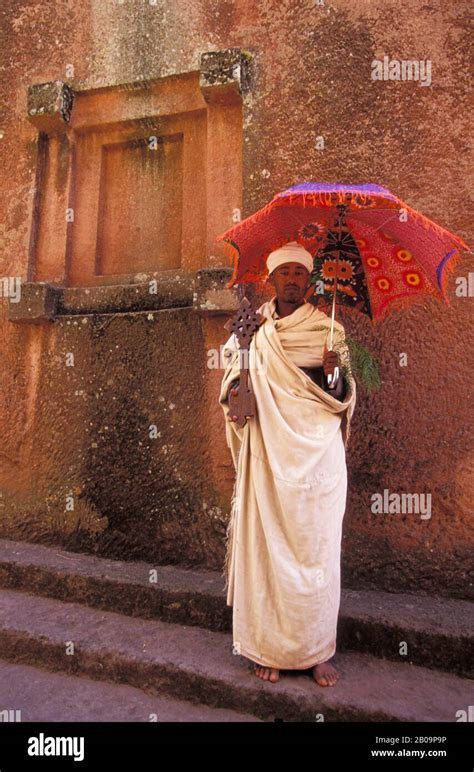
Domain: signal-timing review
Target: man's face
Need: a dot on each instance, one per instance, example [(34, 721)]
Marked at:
[(290, 281)]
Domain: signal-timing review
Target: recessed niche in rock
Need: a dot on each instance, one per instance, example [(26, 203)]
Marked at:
[(140, 205), (137, 181)]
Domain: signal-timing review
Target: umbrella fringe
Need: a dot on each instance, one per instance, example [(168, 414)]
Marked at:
[(324, 198), (430, 225)]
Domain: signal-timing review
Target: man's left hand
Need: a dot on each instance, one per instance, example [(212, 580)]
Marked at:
[(330, 361)]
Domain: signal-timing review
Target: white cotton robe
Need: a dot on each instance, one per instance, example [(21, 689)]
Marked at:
[(282, 566)]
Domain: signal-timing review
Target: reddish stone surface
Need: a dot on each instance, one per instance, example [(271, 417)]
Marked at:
[(310, 77)]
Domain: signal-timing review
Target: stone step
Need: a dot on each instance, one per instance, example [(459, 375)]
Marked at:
[(195, 664), (29, 693), (438, 632)]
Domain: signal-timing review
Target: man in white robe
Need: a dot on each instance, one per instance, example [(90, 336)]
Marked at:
[(282, 565)]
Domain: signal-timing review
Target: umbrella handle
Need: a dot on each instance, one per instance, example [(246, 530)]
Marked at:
[(333, 379)]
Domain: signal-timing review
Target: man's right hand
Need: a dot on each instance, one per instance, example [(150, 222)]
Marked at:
[(234, 391)]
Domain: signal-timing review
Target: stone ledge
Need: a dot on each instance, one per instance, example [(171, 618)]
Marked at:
[(170, 290), (211, 296), (205, 292), (225, 75), (38, 303), (49, 106), (42, 302)]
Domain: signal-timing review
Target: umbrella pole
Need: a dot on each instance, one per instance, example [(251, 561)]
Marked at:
[(333, 312), (341, 208), (333, 379)]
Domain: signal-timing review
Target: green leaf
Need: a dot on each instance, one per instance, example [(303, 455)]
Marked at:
[(363, 364)]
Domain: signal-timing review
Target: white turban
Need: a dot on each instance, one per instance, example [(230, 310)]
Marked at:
[(292, 252)]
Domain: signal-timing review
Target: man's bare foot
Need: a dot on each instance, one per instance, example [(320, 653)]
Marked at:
[(266, 673), (325, 674)]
